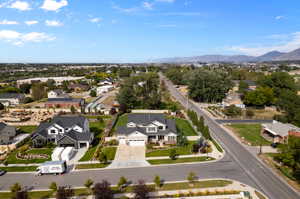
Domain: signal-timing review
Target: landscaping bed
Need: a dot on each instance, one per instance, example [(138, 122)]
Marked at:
[(180, 160), (13, 159), (251, 133)]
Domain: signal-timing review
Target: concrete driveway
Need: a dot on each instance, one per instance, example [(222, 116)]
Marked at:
[(129, 156)]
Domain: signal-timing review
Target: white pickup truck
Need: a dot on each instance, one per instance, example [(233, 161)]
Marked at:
[(52, 167)]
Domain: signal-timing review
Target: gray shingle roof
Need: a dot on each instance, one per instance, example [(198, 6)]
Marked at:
[(11, 95), (145, 119), (280, 129)]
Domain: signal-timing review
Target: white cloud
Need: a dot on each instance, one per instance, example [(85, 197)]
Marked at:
[(33, 22), (290, 43), (95, 20), (147, 5), (53, 5), (20, 5), (6, 22), (125, 10), (166, 1), (279, 17), (18, 39), (53, 23)]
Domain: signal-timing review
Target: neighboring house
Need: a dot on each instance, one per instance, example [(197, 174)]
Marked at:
[(104, 89), (143, 128), (252, 85), (278, 132), (11, 99), (64, 131), (7, 134), (78, 87), (57, 93), (106, 82), (64, 103), (233, 98)]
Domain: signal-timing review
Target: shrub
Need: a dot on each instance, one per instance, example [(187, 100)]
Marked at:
[(173, 154), (53, 186), (249, 113)]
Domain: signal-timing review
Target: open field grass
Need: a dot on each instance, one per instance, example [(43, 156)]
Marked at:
[(180, 160), (19, 169), (185, 127), (250, 133), (27, 129)]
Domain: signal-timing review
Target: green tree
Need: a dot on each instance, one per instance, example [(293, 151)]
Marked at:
[(15, 188), (93, 93), (103, 190), (191, 178), (103, 157), (88, 183), (208, 86), (38, 91), (122, 182), (173, 154), (157, 181), (53, 186), (72, 109), (243, 86), (233, 111)]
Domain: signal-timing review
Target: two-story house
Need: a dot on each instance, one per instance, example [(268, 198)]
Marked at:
[(64, 131), (143, 128), (7, 134)]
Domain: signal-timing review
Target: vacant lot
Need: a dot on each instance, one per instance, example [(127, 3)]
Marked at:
[(185, 127), (250, 133)]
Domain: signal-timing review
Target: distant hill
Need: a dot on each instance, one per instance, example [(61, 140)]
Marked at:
[(291, 56), (270, 56)]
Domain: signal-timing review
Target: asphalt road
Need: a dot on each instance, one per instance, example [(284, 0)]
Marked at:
[(259, 174), (237, 121)]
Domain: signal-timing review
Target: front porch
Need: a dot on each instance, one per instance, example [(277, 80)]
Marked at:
[(164, 139), (271, 136)]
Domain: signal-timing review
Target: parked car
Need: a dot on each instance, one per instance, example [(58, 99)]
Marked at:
[(2, 172)]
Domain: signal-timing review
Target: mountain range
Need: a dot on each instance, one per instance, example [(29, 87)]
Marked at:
[(270, 56)]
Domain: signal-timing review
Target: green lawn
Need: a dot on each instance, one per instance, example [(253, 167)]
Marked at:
[(19, 169), (180, 160), (110, 152), (185, 127), (12, 159), (186, 150), (89, 154), (123, 119), (27, 129), (97, 125), (91, 166), (250, 132)]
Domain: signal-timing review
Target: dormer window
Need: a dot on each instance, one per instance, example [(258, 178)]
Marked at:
[(53, 131), (151, 129), (160, 127)]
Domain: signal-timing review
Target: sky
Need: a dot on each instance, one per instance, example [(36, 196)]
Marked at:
[(143, 30)]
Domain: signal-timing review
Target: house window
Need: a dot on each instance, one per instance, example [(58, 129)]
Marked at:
[(151, 129), (52, 131), (160, 127)]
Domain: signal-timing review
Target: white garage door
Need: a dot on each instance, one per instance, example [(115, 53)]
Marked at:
[(136, 142)]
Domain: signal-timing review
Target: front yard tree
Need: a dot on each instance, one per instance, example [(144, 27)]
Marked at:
[(72, 109), (93, 93), (103, 157), (53, 186), (15, 188), (122, 182), (141, 190), (21, 195), (103, 190), (64, 193), (191, 178), (157, 181), (173, 154), (88, 183), (38, 91)]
